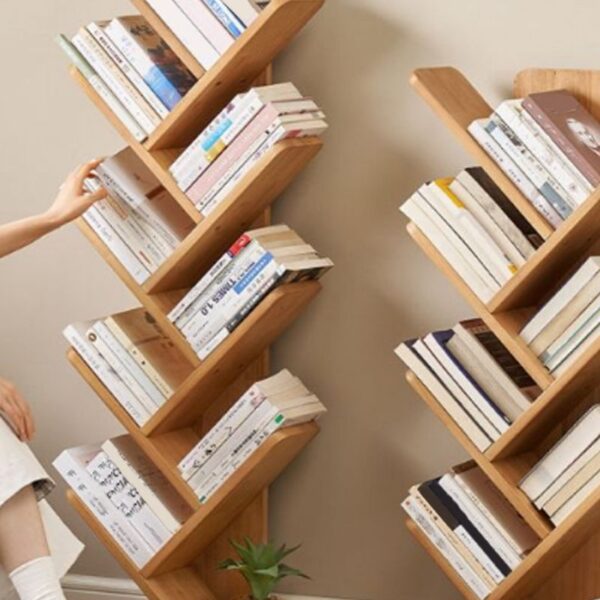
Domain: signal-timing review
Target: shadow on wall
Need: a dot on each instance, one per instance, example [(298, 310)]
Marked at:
[(342, 497)]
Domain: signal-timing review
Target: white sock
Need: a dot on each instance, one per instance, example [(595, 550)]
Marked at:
[(37, 580)]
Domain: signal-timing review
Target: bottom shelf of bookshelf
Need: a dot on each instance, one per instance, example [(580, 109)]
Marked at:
[(181, 584)]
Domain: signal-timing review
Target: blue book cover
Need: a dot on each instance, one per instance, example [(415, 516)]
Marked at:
[(227, 18)]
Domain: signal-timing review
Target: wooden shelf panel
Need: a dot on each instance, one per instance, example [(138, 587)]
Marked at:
[(440, 560), (457, 103), (235, 71), (256, 333), (176, 585), (258, 472), (254, 193), (504, 325), (164, 452), (538, 522), (154, 161)]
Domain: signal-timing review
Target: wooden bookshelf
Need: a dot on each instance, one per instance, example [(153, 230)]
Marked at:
[(564, 564), (186, 567)]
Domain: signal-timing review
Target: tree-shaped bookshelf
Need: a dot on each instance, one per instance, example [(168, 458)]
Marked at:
[(185, 568), (564, 566)]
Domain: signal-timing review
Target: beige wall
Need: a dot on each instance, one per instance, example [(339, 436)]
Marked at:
[(341, 499)]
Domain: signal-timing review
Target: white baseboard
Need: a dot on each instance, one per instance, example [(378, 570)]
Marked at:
[(85, 587)]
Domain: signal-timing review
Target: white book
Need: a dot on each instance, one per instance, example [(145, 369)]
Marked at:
[(440, 236), (102, 37), (127, 363), (562, 454), (586, 339), (446, 549), (544, 149), (131, 99), (184, 29), (245, 10), (478, 130), (431, 359), (492, 228), (576, 500), (132, 264), (128, 501), (480, 522), (458, 414), (560, 300), (76, 335), (152, 485), (71, 464), (207, 24)]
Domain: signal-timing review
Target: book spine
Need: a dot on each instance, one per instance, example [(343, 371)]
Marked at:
[(221, 432), (180, 312), (116, 81), (134, 77), (545, 150), (128, 501), (226, 17), (122, 252), (263, 120), (184, 29), (477, 130), (562, 141), (107, 515), (207, 23), (216, 139), (576, 500), (122, 373), (445, 547), (246, 11), (531, 167), (140, 60)]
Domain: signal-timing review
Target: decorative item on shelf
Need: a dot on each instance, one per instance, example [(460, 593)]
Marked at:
[(262, 567)]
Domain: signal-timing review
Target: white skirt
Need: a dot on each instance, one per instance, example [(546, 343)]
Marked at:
[(18, 469)]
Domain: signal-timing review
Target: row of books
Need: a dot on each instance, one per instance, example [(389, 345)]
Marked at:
[(139, 222), (569, 472), (132, 69), (128, 495), (255, 264), (475, 227), (134, 501), (473, 527), (548, 144), (133, 358), (568, 323), (276, 402), (473, 377), (239, 136), (207, 28)]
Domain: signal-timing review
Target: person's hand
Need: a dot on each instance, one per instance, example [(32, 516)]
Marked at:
[(17, 410), (73, 200)]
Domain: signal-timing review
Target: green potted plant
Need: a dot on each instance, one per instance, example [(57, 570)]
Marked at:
[(262, 567)]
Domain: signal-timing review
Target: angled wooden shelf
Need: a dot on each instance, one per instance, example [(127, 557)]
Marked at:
[(251, 53)]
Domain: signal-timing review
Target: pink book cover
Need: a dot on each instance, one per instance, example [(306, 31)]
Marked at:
[(208, 25), (221, 165), (571, 127)]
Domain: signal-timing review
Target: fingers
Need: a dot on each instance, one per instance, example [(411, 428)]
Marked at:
[(79, 175), (17, 410), (99, 194), (27, 417)]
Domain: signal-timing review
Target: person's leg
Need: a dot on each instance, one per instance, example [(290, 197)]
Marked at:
[(24, 552)]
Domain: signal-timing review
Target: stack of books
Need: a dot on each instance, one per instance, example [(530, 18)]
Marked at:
[(126, 493), (473, 526), (256, 263), (473, 377), (132, 69), (140, 223), (133, 359), (567, 325), (269, 405), (570, 472), (548, 144), (207, 28), (236, 139), (475, 227)]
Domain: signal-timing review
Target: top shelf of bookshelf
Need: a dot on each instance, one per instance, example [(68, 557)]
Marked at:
[(235, 71)]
